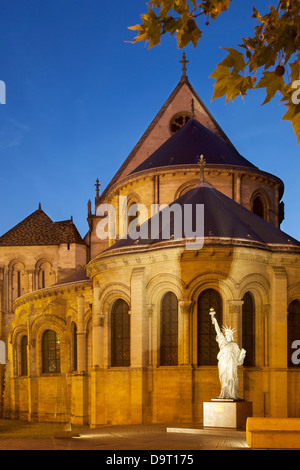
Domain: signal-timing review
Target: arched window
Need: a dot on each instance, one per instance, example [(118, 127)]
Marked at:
[(74, 347), (24, 357), (207, 344), (169, 330), (133, 214), (293, 331), (120, 334), (17, 280), (178, 121), (44, 274), (50, 352), (258, 207), (248, 329)]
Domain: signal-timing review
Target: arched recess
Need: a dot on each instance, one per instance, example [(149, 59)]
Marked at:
[(44, 275), (258, 286), (260, 204), (162, 283), (17, 279), (184, 188), (221, 283), (51, 352), (207, 347), (40, 325), (16, 336), (157, 288), (248, 328), (133, 200), (293, 333), (169, 330), (120, 334)]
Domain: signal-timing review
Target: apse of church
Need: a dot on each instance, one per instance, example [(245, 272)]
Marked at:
[(124, 335)]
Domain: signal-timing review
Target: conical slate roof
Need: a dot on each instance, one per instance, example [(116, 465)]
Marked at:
[(223, 219), (187, 144)]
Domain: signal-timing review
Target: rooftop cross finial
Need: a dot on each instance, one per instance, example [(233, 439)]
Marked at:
[(97, 185), (202, 163), (184, 62)]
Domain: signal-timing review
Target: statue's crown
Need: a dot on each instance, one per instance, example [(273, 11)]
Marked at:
[(228, 328)]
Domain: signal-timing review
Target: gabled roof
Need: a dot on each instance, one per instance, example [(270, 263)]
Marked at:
[(184, 82), (38, 229), (223, 219), (186, 145)]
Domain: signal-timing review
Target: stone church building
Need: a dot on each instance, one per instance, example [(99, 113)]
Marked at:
[(116, 329)]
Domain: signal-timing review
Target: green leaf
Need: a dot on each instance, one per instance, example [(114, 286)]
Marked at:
[(272, 83), (234, 60)]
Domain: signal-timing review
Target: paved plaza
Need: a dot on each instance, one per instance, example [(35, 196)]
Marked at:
[(153, 437)]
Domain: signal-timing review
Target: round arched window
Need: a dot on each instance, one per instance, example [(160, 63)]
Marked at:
[(178, 121)]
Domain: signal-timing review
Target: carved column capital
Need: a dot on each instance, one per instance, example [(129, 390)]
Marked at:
[(149, 310), (235, 306), (185, 306)]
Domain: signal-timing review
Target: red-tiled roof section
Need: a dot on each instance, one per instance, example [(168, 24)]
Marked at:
[(39, 229)]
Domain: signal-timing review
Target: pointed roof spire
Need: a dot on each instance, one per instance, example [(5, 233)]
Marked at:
[(40, 206), (202, 163), (184, 62), (97, 185)]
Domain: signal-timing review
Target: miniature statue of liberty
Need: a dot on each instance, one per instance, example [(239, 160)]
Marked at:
[(229, 358)]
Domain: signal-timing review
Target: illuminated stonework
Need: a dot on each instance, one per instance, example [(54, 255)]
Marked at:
[(136, 343)]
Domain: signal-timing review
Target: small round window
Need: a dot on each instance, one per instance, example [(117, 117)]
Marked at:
[(178, 121)]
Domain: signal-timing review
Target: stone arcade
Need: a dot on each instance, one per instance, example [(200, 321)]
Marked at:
[(118, 330)]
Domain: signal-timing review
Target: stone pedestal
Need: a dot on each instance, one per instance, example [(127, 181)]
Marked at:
[(226, 413)]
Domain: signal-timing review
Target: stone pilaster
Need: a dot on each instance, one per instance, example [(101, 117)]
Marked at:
[(234, 318), (184, 333)]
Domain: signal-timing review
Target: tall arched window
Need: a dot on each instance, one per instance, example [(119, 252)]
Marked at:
[(248, 329), (207, 344), (169, 330), (89, 344), (24, 357), (17, 280), (258, 207), (120, 334), (50, 352), (74, 346), (293, 331)]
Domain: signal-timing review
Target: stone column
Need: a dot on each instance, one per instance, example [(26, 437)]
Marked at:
[(150, 312), (98, 322), (184, 334), (278, 342), (138, 324)]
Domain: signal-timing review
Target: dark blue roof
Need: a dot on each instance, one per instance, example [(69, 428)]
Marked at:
[(223, 218), (187, 144)]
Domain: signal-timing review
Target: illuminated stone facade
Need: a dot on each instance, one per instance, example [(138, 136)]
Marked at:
[(127, 338)]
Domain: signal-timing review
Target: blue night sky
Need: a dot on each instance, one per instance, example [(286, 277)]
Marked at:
[(79, 96)]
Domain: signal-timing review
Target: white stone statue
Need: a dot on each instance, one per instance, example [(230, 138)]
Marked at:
[(229, 358)]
